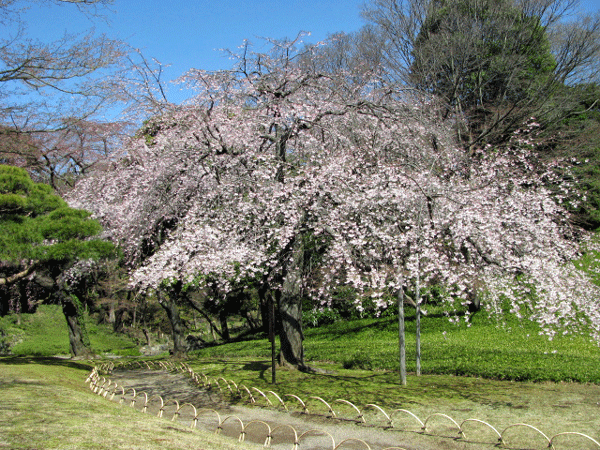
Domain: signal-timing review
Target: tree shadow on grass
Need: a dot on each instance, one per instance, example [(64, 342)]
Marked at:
[(258, 366), (381, 383), (45, 360)]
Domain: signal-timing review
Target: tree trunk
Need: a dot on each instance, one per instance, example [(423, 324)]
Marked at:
[(111, 315), (224, 327), (168, 302), (474, 300), (78, 337), (198, 307), (250, 320), (290, 310), (418, 323), (118, 321), (264, 306), (401, 337), (147, 335)]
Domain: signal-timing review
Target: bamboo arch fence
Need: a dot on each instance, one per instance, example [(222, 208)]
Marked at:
[(468, 430)]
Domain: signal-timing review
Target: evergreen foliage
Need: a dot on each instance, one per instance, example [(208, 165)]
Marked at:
[(45, 251), (483, 58), (37, 225)]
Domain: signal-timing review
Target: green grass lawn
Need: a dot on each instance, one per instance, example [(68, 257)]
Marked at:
[(45, 333), (512, 350), (509, 350), (356, 361), (45, 404), (502, 373)]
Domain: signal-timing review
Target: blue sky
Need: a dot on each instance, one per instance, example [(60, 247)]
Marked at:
[(188, 33)]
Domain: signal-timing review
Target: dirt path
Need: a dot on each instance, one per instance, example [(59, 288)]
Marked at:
[(212, 407)]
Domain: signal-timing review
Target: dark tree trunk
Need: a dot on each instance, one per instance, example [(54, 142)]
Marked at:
[(224, 327), (118, 320), (78, 337), (147, 335), (264, 307), (198, 307), (251, 322), (290, 310), (474, 301), (169, 304), (290, 334)]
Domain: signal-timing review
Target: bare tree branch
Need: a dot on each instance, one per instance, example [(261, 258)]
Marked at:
[(17, 276)]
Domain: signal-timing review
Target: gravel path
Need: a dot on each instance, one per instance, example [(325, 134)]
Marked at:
[(175, 386)]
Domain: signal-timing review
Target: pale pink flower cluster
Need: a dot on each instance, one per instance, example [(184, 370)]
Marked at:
[(269, 153)]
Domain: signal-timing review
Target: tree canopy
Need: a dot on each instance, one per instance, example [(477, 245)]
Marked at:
[(53, 94), (274, 162), (493, 63), (37, 225), (47, 248), (482, 58), (36, 78)]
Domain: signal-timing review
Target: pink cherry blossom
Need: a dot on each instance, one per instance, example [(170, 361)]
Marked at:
[(270, 152)]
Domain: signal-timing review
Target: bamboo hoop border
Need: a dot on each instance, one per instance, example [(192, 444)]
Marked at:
[(101, 385)]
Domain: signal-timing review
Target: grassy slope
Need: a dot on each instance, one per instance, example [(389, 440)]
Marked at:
[(513, 350), (45, 405), (45, 333), (551, 407)]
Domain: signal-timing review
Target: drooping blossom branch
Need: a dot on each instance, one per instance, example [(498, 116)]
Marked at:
[(268, 154)]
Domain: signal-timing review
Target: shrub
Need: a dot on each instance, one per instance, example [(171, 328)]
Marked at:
[(317, 317)]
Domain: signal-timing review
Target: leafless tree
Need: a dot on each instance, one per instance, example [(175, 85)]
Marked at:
[(358, 54), (53, 95), (42, 82)]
